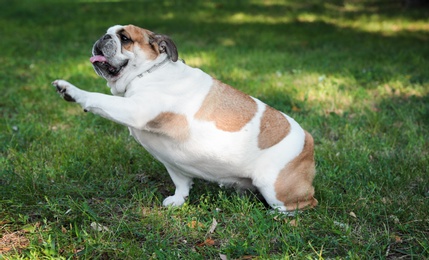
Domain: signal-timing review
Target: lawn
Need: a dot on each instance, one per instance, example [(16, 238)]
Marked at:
[(355, 74)]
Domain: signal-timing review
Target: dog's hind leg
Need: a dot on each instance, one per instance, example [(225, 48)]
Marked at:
[(293, 186)]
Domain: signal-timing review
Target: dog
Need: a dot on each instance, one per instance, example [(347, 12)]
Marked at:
[(197, 126)]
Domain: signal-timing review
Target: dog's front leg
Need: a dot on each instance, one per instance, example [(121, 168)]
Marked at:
[(122, 110), (183, 185)]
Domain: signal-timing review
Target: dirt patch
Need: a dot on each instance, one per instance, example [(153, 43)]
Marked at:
[(13, 241)]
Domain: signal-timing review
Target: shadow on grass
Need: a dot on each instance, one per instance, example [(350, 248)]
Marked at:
[(312, 36), (298, 29)]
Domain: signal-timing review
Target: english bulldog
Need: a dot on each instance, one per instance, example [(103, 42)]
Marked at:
[(196, 125)]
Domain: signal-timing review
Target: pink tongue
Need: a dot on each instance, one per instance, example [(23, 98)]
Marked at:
[(97, 58)]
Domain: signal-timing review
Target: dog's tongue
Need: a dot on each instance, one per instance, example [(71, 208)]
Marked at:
[(97, 58)]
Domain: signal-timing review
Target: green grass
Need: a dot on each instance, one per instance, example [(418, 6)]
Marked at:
[(353, 73)]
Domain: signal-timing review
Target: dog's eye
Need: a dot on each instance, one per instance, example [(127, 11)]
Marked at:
[(124, 39)]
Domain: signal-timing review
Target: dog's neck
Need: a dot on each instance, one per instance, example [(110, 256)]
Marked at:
[(119, 87), (153, 68)]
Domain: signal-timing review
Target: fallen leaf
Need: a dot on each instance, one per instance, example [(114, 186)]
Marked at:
[(398, 239), (195, 224), (207, 242), (293, 223), (77, 250), (98, 227), (213, 226), (223, 257), (352, 214)]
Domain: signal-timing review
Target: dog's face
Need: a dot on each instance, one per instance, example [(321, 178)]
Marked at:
[(125, 48)]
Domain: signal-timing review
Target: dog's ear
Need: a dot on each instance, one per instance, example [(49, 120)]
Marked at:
[(165, 45)]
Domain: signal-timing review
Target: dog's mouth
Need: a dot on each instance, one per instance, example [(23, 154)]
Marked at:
[(101, 63)]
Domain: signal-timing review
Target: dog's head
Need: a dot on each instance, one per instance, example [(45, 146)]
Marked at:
[(125, 48)]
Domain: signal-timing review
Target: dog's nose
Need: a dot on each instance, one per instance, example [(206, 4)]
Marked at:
[(106, 37)]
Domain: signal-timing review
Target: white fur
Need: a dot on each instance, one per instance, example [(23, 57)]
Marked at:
[(209, 153)]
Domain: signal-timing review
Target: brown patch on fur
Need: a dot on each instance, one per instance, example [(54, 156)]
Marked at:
[(229, 108), (274, 128), (170, 124), (294, 184), (140, 37)]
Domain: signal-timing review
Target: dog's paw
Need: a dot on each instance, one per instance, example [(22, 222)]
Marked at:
[(64, 89), (173, 201), (284, 212)]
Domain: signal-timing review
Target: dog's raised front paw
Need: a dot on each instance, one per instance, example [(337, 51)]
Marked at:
[(63, 88), (173, 201)]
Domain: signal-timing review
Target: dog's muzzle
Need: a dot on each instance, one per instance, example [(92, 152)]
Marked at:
[(103, 59)]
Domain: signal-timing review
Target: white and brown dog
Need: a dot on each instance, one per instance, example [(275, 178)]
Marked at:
[(197, 126)]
